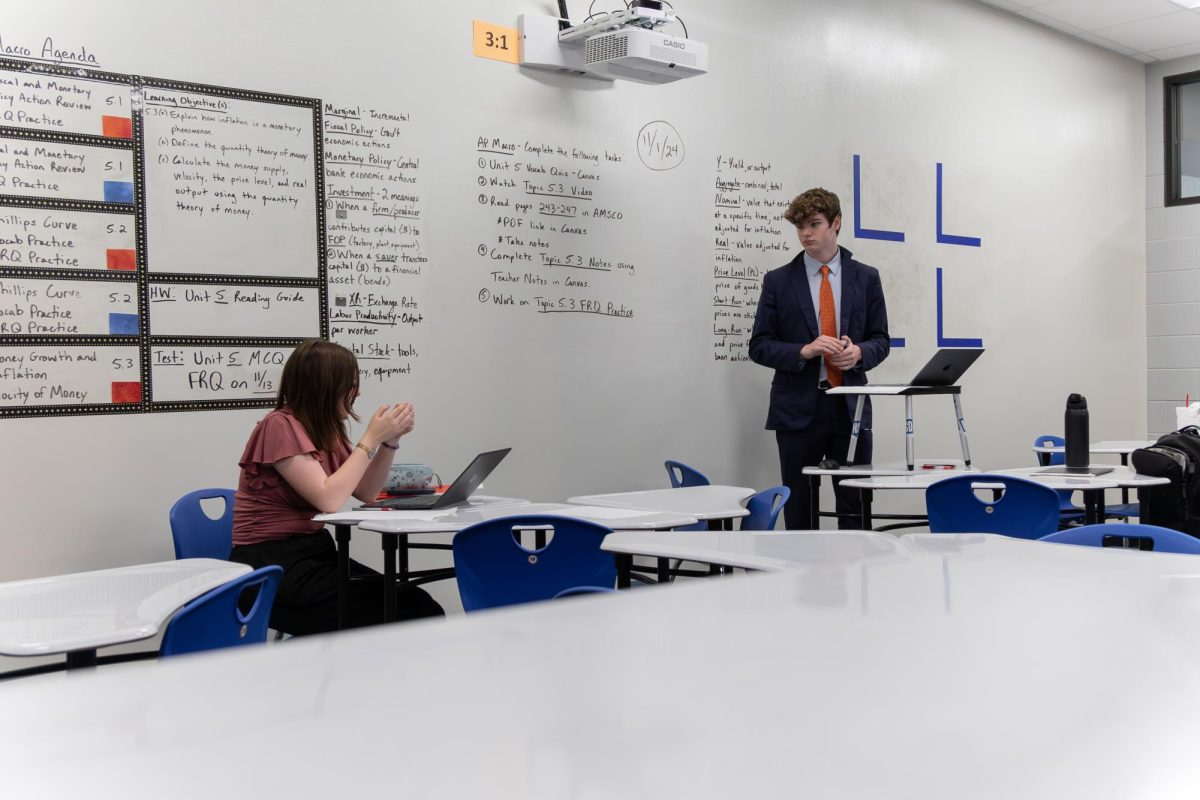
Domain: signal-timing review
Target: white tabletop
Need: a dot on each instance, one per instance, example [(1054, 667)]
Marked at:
[(922, 466), (457, 519), (1116, 477), (909, 480), (86, 610), (701, 502), (976, 667), (877, 389), (356, 516), (772, 551), (1118, 446)]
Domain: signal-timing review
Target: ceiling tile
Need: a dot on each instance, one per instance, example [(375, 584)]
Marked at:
[(1091, 15), (1176, 52), (1156, 33)]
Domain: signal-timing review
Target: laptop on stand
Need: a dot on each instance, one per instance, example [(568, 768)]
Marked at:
[(944, 369)]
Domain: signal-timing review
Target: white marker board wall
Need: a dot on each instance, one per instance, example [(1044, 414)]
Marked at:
[(566, 266)]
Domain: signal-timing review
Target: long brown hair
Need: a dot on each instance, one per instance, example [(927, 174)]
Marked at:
[(317, 380)]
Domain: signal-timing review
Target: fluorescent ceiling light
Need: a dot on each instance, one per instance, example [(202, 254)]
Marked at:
[(1187, 3)]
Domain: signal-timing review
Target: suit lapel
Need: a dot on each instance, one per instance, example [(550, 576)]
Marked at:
[(798, 280), (849, 290)]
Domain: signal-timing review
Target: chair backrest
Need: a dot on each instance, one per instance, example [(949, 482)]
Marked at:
[(1164, 540), (683, 475), (1050, 459), (764, 508), (493, 569), (1026, 510), (215, 619), (196, 534), (575, 591)]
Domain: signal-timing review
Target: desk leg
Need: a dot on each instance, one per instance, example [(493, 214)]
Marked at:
[(865, 498), (1093, 507), (814, 502), (81, 659), (390, 546), (624, 568), (908, 431), (402, 547), (1143, 504), (962, 429), (717, 525), (854, 428), (664, 570), (341, 534)]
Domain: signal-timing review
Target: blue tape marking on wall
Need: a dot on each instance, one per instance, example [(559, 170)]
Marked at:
[(945, 238), (118, 192), (897, 343), (942, 340), (866, 233), (123, 324)]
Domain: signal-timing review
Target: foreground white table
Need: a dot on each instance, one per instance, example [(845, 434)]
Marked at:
[(973, 668), (76, 614)]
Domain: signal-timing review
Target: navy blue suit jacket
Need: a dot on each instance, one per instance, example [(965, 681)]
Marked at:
[(786, 321)]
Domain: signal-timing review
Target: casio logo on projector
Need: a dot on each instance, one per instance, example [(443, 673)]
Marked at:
[(674, 43)]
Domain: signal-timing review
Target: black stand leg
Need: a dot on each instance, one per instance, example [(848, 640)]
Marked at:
[(341, 534), (865, 495), (390, 546), (624, 568), (814, 502), (81, 659)]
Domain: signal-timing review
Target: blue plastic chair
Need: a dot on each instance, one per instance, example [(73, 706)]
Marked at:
[(196, 534), (214, 620), (1164, 540), (494, 569), (764, 508), (1026, 510), (683, 475)]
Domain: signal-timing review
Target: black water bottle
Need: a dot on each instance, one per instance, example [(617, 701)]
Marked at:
[(1075, 431)]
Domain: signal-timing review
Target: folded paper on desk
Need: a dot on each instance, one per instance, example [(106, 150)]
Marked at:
[(1186, 416)]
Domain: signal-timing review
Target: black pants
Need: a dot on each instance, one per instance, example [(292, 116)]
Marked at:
[(307, 601), (827, 437)]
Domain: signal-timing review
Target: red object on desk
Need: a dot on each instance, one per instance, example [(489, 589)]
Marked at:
[(937, 466)]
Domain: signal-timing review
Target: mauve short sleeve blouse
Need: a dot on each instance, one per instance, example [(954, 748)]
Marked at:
[(266, 506)]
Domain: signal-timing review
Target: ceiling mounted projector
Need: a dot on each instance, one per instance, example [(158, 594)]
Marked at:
[(622, 45)]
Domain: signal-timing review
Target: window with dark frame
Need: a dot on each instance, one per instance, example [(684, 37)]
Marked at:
[(1181, 137)]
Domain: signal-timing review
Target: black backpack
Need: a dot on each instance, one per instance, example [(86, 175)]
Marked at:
[(1175, 456)]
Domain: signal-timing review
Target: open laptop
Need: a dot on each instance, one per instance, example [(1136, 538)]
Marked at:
[(462, 488), (944, 369)]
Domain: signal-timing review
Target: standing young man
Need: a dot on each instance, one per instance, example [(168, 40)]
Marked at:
[(821, 323)]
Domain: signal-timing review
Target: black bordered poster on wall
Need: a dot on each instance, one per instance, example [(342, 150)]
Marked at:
[(162, 244)]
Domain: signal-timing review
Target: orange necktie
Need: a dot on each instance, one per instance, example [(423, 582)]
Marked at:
[(829, 324)]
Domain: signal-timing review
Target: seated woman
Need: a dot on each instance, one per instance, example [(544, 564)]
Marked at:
[(298, 463)]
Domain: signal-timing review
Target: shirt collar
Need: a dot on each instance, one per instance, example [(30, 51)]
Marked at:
[(814, 267)]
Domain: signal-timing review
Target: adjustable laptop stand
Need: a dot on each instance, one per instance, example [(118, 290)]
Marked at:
[(908, 392)]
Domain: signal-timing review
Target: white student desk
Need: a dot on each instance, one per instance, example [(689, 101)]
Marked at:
[(398, 526), (1092, 487), (769, 551), (970, 667), (718, 505), (931, 467), (343, 521), (76, 614), (1119, 447)]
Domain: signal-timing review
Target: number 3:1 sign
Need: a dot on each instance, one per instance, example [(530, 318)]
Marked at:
[(494, 41)]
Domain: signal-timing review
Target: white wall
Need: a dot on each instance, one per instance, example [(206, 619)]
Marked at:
[(1172, 272), (1042, 141)]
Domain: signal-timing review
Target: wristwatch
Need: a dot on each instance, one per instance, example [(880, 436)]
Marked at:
[(370, 451)]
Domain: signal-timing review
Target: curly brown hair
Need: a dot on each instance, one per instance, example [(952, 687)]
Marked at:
[(814, 201)]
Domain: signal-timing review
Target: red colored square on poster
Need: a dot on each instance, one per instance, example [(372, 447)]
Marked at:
[(121, 259), (126, 392), (117, 127)]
